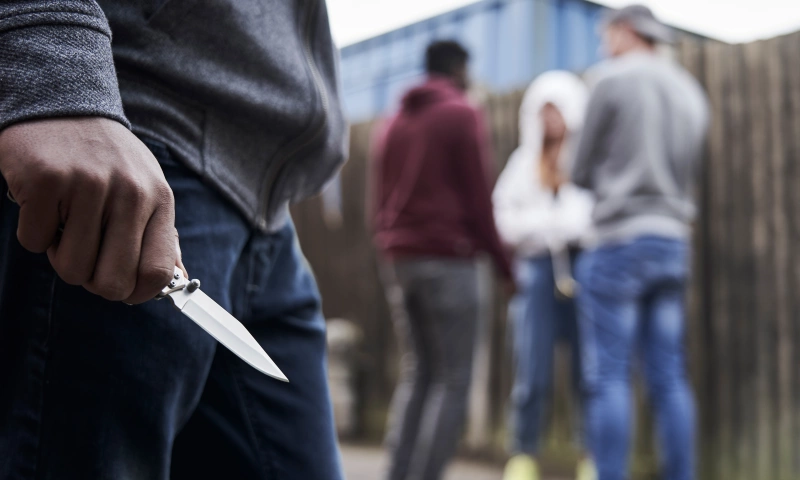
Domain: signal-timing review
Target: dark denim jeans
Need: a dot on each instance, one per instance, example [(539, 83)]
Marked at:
[(632, 301), (435, 308), (539, 320), (91, 389)]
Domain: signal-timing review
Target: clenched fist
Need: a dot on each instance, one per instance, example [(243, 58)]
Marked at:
[(94, 179)]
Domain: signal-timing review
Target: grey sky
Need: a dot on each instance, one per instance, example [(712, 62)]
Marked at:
[(728, 20)]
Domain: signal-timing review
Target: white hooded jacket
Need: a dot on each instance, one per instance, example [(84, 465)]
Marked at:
[(529, 217)]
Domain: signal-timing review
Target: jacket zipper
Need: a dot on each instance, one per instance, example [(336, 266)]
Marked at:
[(281, 162)]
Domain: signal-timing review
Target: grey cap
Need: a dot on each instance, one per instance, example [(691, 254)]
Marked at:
[(642, 20)]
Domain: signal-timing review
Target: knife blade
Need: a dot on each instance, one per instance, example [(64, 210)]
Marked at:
[(217, 322)]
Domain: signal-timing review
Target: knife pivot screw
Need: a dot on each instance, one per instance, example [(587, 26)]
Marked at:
[(172, 284), (177, 275)]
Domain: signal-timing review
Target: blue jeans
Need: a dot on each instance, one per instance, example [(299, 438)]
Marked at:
[(632, 301), (539, 320), (92, 389)]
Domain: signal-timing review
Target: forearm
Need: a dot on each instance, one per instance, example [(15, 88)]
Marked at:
[(522, 226), (56, 61)]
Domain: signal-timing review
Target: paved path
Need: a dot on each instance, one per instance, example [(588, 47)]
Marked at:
[(368, 463)]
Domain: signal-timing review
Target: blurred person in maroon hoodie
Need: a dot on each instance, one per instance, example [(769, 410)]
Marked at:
[(432, 216)]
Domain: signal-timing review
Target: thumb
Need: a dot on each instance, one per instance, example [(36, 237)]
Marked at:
[(179, 256)]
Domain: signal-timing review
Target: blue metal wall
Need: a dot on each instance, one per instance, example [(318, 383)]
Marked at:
[(510, 41)]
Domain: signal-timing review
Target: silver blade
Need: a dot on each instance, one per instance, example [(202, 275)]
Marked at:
[(226, 329)]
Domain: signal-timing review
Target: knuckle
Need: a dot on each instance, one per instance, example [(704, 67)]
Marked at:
[(164, 195), (145, 195), (154, 277), (45, 175), (115, 290), (30, 242), (132, 192), (68, 271), (94, 183), (72, 275)]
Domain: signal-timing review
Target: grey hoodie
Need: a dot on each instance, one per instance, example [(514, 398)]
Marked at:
[(642, 139), (244, 92)]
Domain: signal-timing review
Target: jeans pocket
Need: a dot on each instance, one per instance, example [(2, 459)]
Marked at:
[(161, 152), (613, 272)]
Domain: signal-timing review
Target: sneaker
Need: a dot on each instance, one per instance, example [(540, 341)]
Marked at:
[(586, 470), (521, 467)]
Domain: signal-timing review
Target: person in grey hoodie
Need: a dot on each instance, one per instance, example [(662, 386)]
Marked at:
[(199, 118), (642, 140)]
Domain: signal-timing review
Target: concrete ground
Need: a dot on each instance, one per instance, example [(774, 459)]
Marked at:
[(368, 463)]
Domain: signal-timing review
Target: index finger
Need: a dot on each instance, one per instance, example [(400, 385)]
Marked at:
[(158, 256)]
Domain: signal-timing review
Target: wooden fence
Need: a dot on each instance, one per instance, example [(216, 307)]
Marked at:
[(744, 333)]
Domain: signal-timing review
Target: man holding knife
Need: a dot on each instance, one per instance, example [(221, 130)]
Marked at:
[(199, 118)]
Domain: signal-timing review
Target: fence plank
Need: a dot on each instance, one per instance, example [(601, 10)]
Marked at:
[(503, 113), (782, 414), (719, 396), (792, 139), (754, 58), (691, 55), (739, 263)]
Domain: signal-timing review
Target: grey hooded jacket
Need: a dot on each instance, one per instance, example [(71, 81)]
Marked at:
[(640, 148), (244, 92)]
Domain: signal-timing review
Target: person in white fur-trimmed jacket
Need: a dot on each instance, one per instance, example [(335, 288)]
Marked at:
[(544, 218)]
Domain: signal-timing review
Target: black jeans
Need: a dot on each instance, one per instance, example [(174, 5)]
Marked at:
[(92, 389)]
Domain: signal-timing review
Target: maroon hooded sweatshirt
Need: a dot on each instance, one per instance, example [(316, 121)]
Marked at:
[(430, 179)]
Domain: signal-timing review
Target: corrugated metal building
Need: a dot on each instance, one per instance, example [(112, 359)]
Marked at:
[(511, 41)]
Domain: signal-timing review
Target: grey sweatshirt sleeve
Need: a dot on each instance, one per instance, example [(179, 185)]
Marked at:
[(55, 60), (599, 113)]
